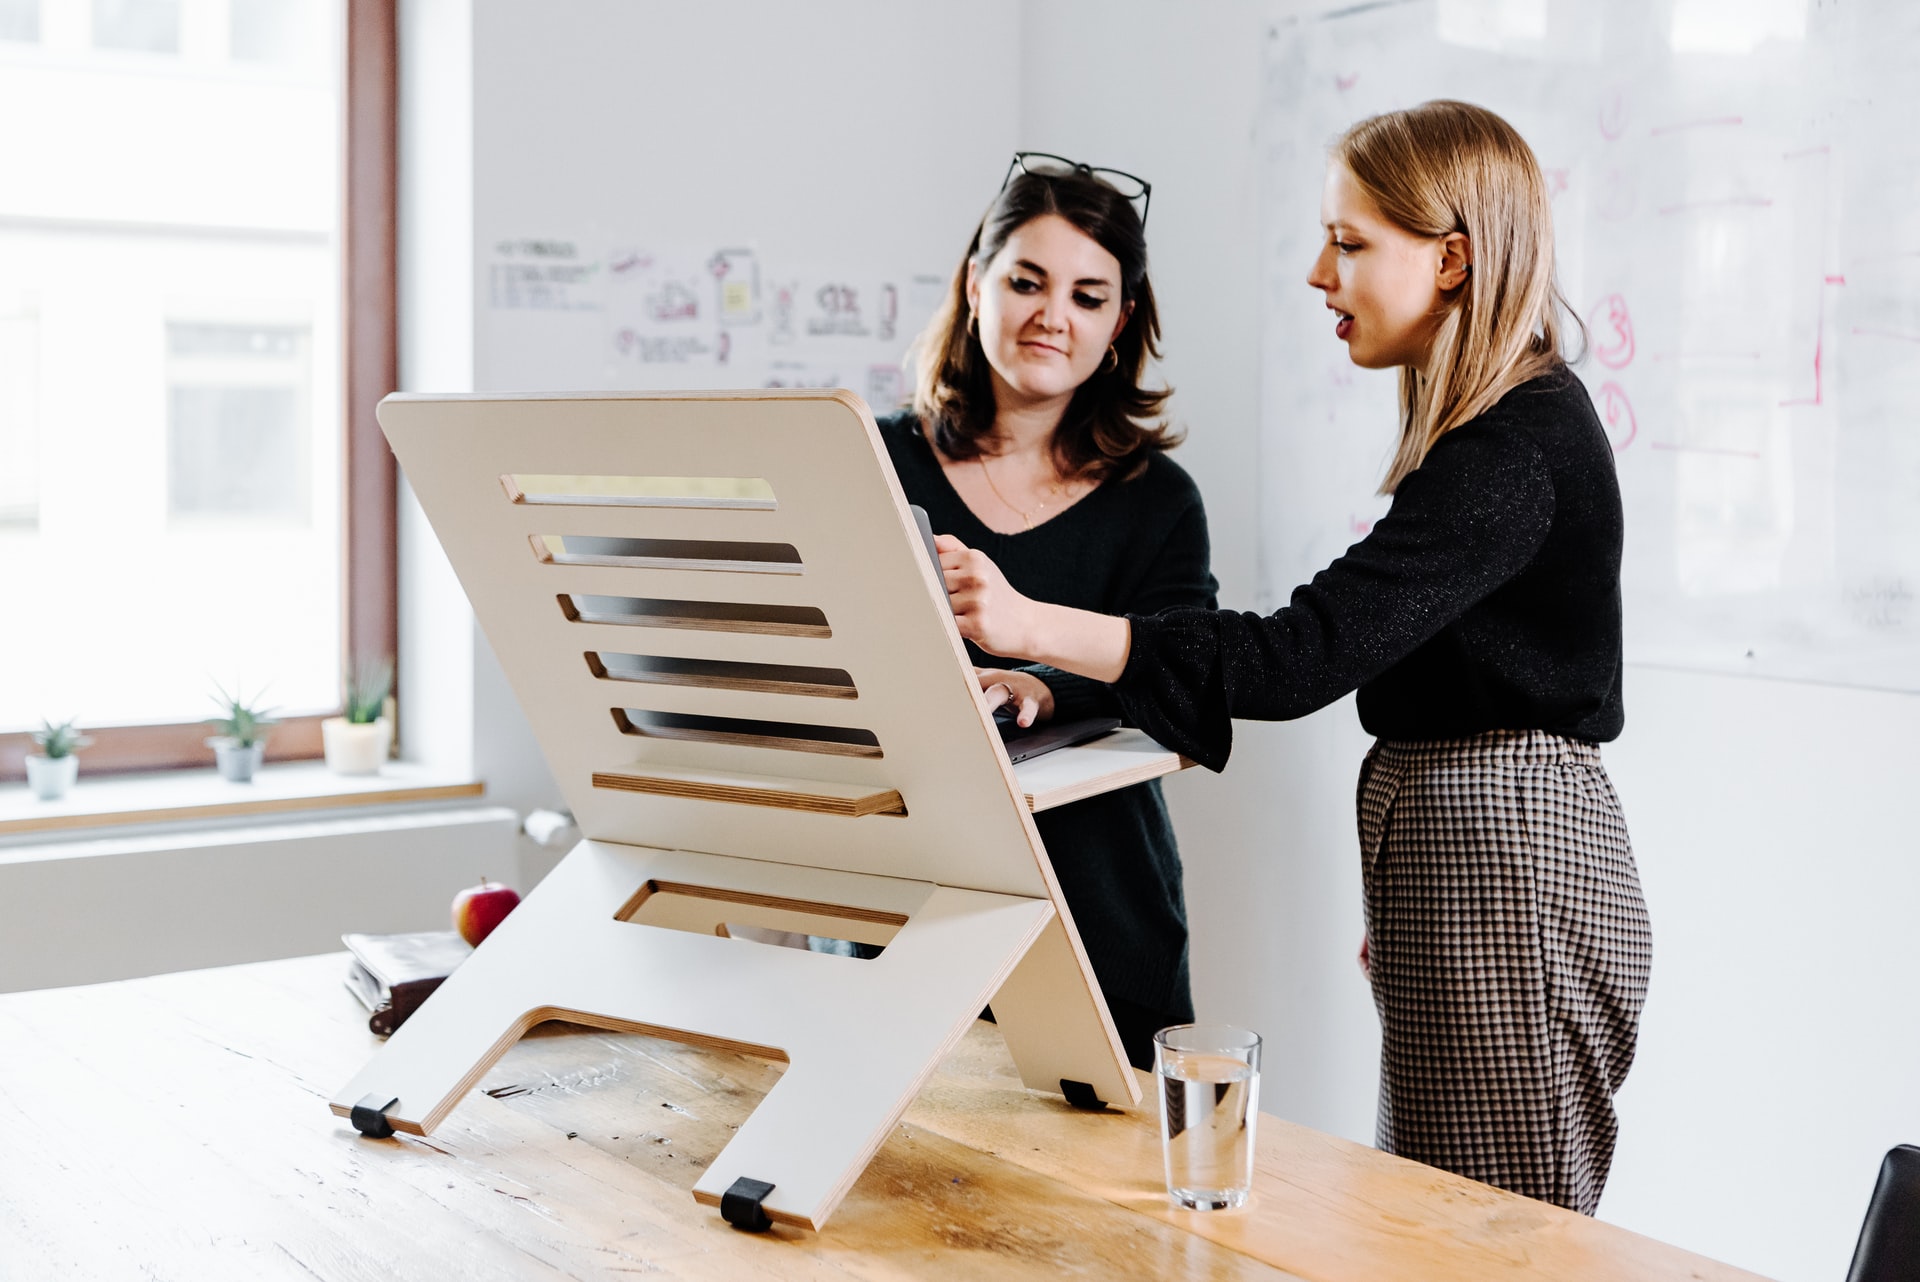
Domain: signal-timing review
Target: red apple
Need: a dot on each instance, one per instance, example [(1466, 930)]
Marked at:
[(478, 909)]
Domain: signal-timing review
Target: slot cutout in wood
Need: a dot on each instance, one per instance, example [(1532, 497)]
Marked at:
[(791, 736), (739, 492), (695, 616), (722, 674), (709, 910), (667, 554)]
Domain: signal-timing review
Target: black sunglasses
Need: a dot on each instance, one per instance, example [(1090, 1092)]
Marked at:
[(1047, 165)]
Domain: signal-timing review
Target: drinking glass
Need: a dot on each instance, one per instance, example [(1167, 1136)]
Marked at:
[(1209, 1081)]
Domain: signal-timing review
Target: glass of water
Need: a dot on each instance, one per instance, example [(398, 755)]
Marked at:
[(1209, 1080)]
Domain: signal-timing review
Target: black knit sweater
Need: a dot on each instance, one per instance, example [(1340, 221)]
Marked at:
[(1487, 598), (1129, 546)]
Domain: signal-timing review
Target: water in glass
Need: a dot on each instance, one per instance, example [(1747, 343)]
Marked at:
[(1207, 1107)]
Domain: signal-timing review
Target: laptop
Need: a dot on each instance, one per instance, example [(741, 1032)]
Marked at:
[(1023, 743)]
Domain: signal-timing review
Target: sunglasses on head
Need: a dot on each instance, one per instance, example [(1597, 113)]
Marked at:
[(1046, 165)]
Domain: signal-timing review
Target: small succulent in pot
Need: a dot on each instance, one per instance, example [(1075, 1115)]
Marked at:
[(367, 688), (241, 741), (52, 770), (358, 740)]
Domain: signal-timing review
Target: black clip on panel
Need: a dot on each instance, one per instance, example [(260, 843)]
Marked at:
[(1081, 1096), (740, 1205), (369, 1117)]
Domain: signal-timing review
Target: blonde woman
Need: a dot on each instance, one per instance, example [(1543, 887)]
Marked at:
[(1507, 940)]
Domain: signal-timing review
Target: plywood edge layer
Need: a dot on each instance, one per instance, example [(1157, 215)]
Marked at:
[(1080, 789), (814, 796)]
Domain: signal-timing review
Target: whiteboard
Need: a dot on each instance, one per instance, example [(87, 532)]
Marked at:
[(1736, 194)]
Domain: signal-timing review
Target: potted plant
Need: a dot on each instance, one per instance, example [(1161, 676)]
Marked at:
[(357, 742), (52, 770), (242, 737)]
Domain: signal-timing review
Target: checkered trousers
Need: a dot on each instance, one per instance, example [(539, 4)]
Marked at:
[(1508, 949)]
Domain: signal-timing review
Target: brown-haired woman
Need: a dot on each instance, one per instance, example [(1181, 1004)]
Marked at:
[(1507, 939), (1031, 436)]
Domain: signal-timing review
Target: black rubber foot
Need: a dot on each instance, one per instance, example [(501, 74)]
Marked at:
[(1081, 1096), (740, 1205), (369, 1117)]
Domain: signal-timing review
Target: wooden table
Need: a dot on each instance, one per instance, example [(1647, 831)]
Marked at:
[(177, 1127)]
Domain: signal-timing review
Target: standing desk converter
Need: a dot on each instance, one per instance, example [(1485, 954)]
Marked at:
[(719, 618)]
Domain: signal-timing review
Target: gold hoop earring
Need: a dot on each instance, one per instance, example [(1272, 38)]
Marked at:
[(973, 324), (1112, 362)]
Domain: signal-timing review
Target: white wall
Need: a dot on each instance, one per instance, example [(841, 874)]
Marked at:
[(116, 907), (1777, 1057)]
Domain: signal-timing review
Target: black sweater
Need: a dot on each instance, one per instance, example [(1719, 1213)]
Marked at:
[(1138, 545), (1487, 598)]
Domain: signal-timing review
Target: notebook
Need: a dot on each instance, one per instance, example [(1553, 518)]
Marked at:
[(393, 974)]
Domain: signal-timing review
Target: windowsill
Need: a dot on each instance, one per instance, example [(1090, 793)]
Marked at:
[(166, 796)]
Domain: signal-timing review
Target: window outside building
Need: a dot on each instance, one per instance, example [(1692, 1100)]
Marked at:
[(170, 357)]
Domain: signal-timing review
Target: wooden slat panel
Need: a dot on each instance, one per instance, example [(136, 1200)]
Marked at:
[(813, 796)]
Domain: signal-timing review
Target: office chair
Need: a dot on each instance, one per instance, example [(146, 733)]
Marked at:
[(1889, 1247)]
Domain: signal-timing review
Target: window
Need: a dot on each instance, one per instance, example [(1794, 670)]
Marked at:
[(176, 434), (145, 26), (19, 417), (20, 20), (280, 32), (239, 404)]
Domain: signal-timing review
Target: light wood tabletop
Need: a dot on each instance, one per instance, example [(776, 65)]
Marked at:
[(177, 1127)]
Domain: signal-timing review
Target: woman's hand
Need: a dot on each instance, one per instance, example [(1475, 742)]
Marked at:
[(1001, 621), (987, 609), (1027, 692)]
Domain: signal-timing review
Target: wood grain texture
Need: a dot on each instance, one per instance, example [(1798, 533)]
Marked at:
[(166, 1127)]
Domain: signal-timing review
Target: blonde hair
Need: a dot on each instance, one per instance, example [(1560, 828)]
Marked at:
[(1445, 167)]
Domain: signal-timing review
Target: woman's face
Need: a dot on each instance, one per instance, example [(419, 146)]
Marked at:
[(1048, 306), (1386, 286)]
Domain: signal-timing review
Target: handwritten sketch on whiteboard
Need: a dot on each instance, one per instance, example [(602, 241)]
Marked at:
[(676, 317), (1739, 228)]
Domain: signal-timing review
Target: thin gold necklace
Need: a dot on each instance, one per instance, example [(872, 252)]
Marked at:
[(1053, 491)]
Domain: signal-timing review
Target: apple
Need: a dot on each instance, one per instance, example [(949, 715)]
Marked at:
[(478, 909)]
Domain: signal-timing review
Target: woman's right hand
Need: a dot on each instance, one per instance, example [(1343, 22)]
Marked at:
[(1000, 621), (988, 611)]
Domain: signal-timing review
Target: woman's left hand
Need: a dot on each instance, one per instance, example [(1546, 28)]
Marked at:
[(1031, 697), (988, 611)]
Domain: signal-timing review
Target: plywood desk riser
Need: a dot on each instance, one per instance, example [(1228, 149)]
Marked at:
[(845, 766)]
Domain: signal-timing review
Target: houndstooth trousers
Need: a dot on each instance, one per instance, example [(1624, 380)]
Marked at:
[(1508, 950)]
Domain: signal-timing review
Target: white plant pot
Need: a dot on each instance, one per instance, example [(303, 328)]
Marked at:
[(50, 777), (236, 763), (355, 748)]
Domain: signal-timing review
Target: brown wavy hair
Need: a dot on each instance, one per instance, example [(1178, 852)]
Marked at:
[(1111, 426), (1444, 167)]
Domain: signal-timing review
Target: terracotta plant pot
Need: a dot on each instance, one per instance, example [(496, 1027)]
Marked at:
[(356, 747), (50, 777), (237, 763)]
